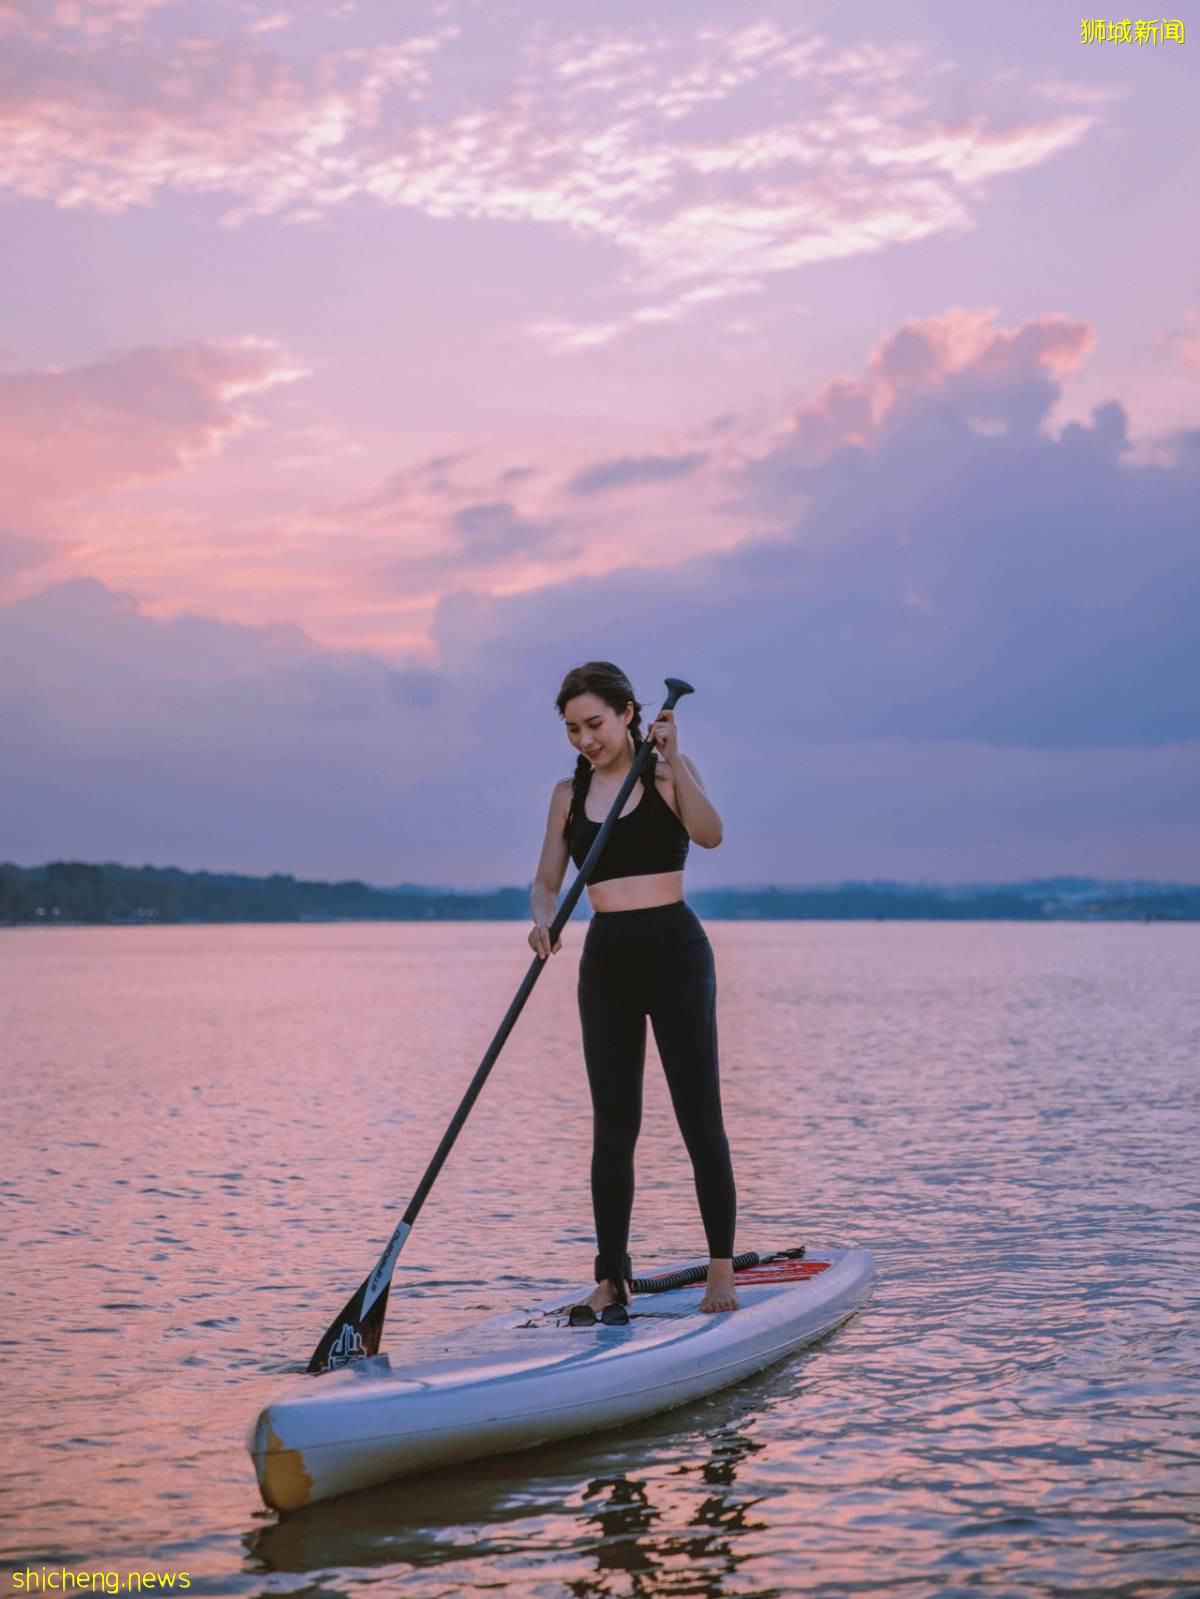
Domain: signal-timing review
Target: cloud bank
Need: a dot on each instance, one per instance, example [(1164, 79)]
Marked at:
[(966, 647)]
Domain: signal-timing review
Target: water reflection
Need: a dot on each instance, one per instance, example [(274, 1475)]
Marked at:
[(627, 1513), (637, 1527), (623, 1512)]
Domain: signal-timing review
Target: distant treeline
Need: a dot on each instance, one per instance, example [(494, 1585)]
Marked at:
[(73, 891)]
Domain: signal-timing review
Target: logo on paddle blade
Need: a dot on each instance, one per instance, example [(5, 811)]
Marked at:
[(346, 1347), (382, 1275)]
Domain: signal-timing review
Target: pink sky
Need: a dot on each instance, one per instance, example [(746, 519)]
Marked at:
[(364, 367)]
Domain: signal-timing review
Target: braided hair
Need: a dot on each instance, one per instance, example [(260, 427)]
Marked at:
[(608, 683)]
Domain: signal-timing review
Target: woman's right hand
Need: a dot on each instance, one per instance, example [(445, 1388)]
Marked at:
[(539, 940)]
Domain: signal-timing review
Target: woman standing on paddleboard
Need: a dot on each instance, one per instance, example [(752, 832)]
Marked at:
[(645, 955)]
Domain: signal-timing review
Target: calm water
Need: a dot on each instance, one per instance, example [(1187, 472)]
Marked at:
[(210, 1131)]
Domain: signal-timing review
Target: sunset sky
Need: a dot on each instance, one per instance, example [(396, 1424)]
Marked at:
[(365, 365)]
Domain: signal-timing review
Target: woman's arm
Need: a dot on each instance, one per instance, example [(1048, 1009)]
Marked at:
[(693, 805), (551, 869), (696, 810)]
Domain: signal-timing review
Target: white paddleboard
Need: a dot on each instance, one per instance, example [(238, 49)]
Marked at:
[(526, 1377)]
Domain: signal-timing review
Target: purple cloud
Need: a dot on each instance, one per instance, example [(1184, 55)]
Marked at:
[(634, 469), (944, 583), (496, 529)]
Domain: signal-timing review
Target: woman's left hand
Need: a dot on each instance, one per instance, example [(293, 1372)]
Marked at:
[(663, 733)]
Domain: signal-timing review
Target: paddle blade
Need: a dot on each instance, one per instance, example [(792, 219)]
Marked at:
[(354, 1334)]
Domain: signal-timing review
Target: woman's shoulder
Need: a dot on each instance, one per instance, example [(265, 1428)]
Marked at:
[(664, 784), (663, 773), (560, 799), (664, 780)]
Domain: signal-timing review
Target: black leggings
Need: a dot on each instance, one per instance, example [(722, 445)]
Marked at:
[(655, 963)]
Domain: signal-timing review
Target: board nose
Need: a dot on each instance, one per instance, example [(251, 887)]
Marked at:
[(283, 1478)]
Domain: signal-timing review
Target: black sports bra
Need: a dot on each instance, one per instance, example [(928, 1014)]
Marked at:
[(650, 838)]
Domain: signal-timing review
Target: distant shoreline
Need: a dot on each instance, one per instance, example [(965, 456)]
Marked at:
[(77, 893)]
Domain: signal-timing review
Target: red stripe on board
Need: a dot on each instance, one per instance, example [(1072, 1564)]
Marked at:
[(783, 1271), (777, 1271)]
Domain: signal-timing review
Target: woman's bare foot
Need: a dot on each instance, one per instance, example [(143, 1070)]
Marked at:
[(719, 1292), (606, 1294)]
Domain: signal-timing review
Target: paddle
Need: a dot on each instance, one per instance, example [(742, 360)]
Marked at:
[(356, 1331)]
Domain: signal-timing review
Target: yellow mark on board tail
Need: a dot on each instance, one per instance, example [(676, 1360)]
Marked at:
[(283, 1479)]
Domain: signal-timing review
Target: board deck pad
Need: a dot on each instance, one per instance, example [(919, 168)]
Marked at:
[(674, 1303)]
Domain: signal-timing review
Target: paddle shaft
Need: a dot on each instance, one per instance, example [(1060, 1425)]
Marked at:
[(345, 1334)]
